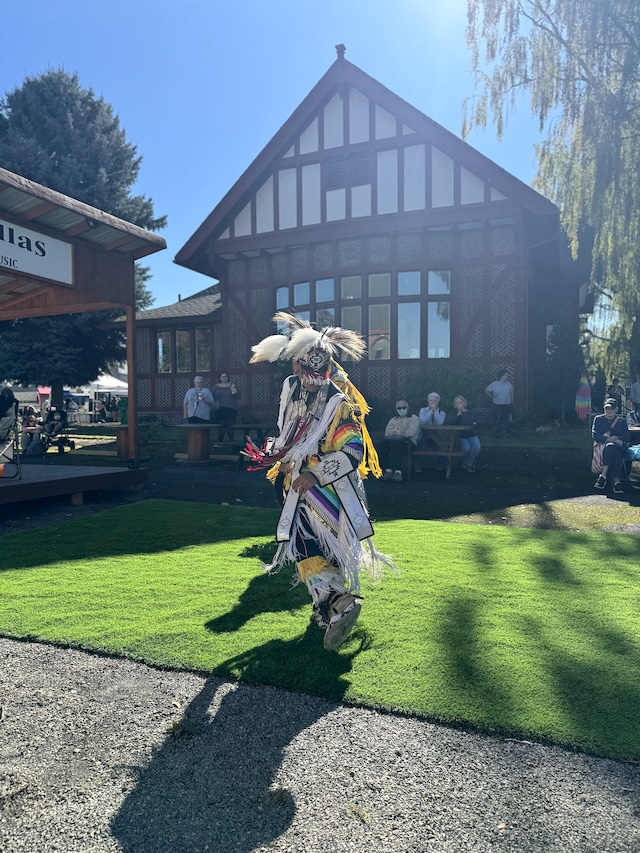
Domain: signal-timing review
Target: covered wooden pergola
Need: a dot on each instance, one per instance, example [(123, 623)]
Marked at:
[(61, 256)]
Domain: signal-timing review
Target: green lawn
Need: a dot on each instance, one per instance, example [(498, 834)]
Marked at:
[(526, 631)]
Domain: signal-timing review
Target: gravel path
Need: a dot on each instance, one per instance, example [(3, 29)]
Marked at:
[(99, 754)]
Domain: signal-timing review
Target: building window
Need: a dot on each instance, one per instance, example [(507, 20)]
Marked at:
[(409, 330), (325, 290), (164, 352), (341, 172), (203, 350), (379, 332), (439, 330), (352, 318), (302, 293), (438, 281), (380, 284), (408, 284), (325, 317), (282, 298), (183, 351), (351, 287)]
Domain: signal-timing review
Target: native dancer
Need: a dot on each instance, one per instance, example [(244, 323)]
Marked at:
[(318, 461)]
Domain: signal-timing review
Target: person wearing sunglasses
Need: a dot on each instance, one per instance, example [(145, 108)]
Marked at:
[(401, 429)]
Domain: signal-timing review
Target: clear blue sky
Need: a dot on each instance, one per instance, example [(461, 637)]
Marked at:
[(201, 86)]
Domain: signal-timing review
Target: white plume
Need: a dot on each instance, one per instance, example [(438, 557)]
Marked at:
[(269, 349)]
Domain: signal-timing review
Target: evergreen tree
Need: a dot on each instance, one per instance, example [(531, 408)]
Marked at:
[(579, 62), (55, 132)]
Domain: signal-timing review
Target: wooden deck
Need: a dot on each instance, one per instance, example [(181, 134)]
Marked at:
[(46, 481)]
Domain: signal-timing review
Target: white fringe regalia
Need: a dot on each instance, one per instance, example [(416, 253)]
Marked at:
[(334, 513)]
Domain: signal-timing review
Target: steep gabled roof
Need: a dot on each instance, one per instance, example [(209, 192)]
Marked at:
[(199, 305), (341, 74)]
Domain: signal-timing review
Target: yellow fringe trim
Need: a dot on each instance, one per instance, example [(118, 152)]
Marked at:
[(370, 461), (311, 566), (272, 473)]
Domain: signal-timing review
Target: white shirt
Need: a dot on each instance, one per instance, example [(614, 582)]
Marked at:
[(501, 392)]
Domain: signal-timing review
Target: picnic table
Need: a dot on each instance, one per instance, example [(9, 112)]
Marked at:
[(445, 445), (198, 437)]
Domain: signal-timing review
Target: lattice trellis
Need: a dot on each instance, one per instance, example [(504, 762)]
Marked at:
[(259, 270), (379, 250), (470, 295), (242, 385), (261, 389), (503, 240), (349, 253), (218, 367), (237, 273), (378, 382), (503, 314), (279, 266), (354, 374), (299, 261), (143, 393), (163, 392), (440, 246), (322, 257), (262, 311), (237, 337), (406, 375), (474, 347), (496, 272), (182, 385), (144, 351), (410, 247), (471, 243)]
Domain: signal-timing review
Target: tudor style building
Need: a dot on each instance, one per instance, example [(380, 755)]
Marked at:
[(363, 212)]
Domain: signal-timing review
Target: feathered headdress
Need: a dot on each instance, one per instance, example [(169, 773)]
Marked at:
[(307, 345)]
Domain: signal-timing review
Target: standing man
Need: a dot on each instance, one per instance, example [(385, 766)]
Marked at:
[(197, 403), (501, 392), (317, 461)]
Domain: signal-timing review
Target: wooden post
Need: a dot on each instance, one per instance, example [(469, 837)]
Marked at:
[(132, 409)]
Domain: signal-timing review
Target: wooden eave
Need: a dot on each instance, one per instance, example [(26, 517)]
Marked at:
[(340, 73), (105, 250), (60, 216)]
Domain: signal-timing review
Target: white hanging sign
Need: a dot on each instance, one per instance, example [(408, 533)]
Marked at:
[(28, 252)]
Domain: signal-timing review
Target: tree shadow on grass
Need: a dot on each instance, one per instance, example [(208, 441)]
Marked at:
[(146, 527), (211, 785)]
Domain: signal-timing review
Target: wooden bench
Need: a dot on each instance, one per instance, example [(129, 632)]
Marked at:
[(446, 439)]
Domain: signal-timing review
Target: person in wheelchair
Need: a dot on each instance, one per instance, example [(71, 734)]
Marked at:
[(54, 430)]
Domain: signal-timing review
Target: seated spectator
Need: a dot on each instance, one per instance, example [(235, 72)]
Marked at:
[(430, 415), (612, 432), (469, 441), (31, 438), (401, 430)]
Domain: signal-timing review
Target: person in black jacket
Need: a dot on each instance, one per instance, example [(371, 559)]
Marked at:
[(613, 432), (469, 441)]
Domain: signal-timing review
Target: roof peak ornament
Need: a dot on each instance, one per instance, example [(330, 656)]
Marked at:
[(340, 50)]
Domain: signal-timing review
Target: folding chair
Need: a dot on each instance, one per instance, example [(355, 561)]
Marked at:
[(9, 449)]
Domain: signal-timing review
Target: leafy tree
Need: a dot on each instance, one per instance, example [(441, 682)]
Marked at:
[(55, 132), (68, 349), (579, 63)]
